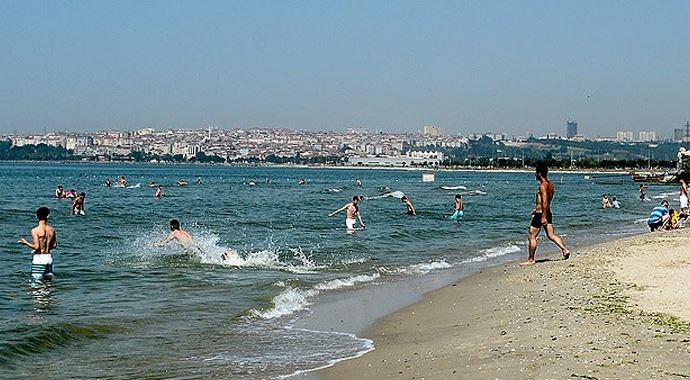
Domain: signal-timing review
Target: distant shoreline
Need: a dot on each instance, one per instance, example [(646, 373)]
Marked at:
[(339, 167)]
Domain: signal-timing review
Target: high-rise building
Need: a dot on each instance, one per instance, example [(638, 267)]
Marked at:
[(571, 129), (624, 136), (647, 136), (432, 131)]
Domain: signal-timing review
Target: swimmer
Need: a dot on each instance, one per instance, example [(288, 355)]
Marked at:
[(358, 182), (615, 203), (43, 241), (71, 194), (408, 204), (177, 233), (352, 214), (108, 183), (159, 192), (199, 181), (251, 183), (78, 205), (459, 208), (301, 181), (60, 192), (605, 202), (643, 192)]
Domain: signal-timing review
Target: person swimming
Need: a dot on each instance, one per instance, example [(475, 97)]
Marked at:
[(459, 208), (78, 205), (187, 242), (60, 192), (408, 204), (159, 192), (108, 182)]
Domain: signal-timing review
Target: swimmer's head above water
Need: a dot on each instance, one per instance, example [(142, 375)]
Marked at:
[(174, 225)]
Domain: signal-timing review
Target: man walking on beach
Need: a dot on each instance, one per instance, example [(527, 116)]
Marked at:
[(542, 217), (43, 240)]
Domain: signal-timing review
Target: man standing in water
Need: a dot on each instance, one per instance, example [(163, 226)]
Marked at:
[(43, 240), (542, 217), (408, 204), (352, 214)]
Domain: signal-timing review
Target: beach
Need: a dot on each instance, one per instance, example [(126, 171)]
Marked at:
[(615, 310)]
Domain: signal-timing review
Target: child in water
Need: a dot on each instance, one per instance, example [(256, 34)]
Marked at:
[(459, 207)]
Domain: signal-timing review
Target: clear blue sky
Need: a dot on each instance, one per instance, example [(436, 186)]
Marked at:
[(466, 66)]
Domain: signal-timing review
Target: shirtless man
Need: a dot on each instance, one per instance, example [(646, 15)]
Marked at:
[(186, 241), (78, 205), (60, 192), (408, 204), (177, 233), (352, 213), (159, 192), (541, 215), (43, 240)]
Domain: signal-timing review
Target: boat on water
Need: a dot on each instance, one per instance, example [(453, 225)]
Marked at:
[(662, 178)]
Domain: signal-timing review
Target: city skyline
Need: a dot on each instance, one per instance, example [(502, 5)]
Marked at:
[(463, 67)]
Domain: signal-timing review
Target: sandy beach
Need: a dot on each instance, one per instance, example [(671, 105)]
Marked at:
[(616, 310)]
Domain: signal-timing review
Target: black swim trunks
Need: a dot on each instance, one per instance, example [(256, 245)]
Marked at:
[(536, 219)]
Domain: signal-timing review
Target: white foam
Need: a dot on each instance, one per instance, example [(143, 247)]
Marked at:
[(287, 302), (395, 194), (493, 252), (346, 282), (335, 190), (421, 268), (454, 187), (292, 300)]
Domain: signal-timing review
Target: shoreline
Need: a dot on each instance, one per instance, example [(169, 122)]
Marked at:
[(580, 318)]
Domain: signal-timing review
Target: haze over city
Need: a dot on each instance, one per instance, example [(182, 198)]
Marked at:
[(395, 66)]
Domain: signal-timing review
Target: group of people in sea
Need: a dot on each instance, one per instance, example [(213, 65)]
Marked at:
[(44, 237), (77, 206)]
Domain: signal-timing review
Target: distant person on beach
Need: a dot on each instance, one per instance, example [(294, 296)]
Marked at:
[(408, 204), (108, 182), (78, 205), (60, 192), (159, 192), (683, 196), (352, 213), (43, 240), (659, 216), (643, 192), (458, 209), (542, 217), (615, 203)]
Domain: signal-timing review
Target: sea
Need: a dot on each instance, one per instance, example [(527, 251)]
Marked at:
[(122, 307)]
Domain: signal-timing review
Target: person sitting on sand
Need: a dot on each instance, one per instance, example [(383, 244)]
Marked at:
[(408, 204), (659, 216), (672, 221), (458, 209), (352, 213)]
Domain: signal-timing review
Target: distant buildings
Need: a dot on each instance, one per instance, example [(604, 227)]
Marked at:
[(624, 136), (571, 129), (647, 136), (432, 131)]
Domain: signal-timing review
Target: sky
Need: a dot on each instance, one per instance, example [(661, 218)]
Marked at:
[(464, 66)]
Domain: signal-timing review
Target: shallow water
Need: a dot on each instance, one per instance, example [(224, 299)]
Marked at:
[(122, 308)]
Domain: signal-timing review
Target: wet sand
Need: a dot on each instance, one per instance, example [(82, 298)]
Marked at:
[(616, 310)]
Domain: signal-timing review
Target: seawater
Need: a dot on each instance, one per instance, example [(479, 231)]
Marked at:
[(121, 307)]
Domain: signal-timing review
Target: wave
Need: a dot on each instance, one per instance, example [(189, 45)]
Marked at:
[(138, 185), (292, 300), (454, 187), (420, 268), (395, 194), (490, 253)]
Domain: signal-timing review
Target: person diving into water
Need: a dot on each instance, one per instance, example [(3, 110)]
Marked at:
[(186, 241)]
